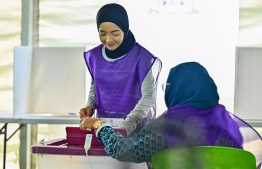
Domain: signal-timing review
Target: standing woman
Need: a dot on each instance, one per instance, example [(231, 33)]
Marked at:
[(124, 73)]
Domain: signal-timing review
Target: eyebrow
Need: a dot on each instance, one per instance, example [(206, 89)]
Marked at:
[(111, 32)]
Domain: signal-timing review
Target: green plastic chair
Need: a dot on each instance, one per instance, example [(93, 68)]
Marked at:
[(204, 157)]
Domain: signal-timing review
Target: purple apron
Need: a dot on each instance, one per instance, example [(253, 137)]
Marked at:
[(183, 125), (118, 83)]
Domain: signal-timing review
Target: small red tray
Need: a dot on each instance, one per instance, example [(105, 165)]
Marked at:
[(75, 136)]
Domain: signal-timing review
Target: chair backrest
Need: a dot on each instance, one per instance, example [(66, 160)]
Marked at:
[(204, 157)]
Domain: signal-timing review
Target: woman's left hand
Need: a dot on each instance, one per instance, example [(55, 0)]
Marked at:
[(89, 123)]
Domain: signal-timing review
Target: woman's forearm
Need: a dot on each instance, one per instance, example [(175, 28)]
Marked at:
[(138, 148)]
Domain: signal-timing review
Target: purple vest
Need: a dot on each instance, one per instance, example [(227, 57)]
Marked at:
[(184, 125), (118, 83)]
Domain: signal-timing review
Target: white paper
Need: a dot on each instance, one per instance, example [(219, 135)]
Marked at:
[(88, 142)]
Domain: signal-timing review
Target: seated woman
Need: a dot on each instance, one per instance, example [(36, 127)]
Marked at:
[(193, 118)]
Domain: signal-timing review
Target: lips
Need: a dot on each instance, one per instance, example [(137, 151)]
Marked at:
[(110, 45)]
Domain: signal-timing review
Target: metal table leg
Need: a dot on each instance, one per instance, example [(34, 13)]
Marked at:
[(3, 130)]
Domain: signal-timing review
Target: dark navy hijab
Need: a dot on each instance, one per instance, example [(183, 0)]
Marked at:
[(190, 84), (116, 14)]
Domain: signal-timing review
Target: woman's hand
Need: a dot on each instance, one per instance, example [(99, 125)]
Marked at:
[(90, 123), (86, 112)]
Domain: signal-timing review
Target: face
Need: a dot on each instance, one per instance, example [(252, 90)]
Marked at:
[(110, 35)]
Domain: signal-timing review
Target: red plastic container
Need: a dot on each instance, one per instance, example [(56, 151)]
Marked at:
[(69, 152), (75, 136), (73, 144)]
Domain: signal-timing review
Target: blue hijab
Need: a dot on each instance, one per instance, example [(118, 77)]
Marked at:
[(190, 84), (116, 14)]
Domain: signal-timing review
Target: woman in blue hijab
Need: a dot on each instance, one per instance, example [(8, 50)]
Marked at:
[(194, 118), (122, 72), (191, 85)]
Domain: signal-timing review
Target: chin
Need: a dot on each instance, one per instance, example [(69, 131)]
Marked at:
[(111, 48)]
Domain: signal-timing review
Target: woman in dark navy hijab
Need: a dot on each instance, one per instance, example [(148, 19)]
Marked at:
[(194, 118), (124, 73), (117, 15), (191, 85)]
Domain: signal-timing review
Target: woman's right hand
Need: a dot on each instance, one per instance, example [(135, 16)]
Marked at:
[(90, 123), (86, 112)]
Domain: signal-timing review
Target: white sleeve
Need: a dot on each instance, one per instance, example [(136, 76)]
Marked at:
[(144, 105), (91, 101)]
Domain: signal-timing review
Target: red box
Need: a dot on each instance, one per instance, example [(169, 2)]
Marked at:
[(75, 136), (73, 144)]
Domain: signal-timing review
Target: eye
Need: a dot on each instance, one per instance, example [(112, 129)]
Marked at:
[(102, 34), (116, 34)]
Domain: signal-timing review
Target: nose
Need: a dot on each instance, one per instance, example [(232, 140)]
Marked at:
[(109, 39)]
